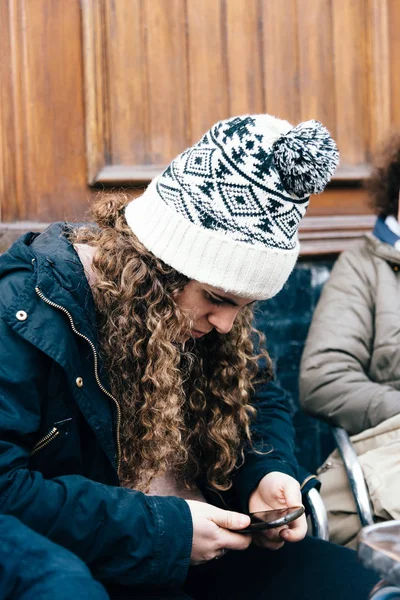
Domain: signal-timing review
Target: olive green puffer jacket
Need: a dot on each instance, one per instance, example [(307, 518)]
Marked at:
[(350, 370)]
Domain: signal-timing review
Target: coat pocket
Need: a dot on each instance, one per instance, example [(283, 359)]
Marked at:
[(54, 432), (343, 521)]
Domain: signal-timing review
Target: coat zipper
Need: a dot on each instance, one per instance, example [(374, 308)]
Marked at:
[(103, 389), (53, 433)]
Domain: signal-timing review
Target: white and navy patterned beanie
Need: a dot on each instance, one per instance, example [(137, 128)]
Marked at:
[(226, 211)]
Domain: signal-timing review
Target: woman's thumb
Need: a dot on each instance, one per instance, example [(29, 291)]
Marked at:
[(229, 519)]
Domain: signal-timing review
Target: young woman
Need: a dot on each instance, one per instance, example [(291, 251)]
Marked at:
[(133, 430)]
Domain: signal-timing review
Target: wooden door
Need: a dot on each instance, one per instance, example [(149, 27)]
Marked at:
[(105, 92)]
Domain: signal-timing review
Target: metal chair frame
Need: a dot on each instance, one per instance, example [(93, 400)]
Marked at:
[(318, 515), (355, 476)]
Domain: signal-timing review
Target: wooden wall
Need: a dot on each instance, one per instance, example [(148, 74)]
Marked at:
[(106, 92)]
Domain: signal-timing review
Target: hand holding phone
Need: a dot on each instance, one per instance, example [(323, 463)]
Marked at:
[(268, 519)]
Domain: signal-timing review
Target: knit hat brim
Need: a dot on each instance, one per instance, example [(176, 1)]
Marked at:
[(256, 272)]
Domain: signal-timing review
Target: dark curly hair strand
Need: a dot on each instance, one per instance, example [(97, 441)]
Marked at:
[(384, 183)]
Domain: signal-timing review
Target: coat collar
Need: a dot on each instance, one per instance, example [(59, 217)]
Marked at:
[(61, 277), (379, 244), (57, 271), (384, 233)]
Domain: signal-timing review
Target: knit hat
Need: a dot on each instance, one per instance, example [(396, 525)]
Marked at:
[(226, 211)]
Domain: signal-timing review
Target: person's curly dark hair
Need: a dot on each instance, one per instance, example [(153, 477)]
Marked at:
[(384, 183), (185, 408)]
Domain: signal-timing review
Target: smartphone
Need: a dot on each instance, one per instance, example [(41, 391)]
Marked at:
[(268, 519)]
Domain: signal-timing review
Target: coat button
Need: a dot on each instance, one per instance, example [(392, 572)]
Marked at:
[(21, 315), (79, 381)]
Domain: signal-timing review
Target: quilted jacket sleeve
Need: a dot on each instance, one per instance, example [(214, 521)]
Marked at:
[(334, 380)]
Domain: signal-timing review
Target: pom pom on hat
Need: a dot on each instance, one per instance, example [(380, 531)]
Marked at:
[(306, 158)]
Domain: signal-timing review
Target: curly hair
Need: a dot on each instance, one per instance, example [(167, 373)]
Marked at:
[(185, 406), (384, 183)]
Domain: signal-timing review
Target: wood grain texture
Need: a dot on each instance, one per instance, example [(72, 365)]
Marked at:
[(97, 128), (167, 69), (208, 74), (42, 120), (124, 40), (280, 58), (326, 235), (393, 7), (171, 69), (106, 92), (11, 173), (379, 109), (350, 52), (316, 67), (244, 57)]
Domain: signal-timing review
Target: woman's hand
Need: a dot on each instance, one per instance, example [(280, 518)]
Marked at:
[(278, 490), (211, 535)]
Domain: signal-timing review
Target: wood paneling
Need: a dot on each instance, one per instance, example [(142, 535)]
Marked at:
[(167, 70), (159, 73), (279, 52), (316, 69), (207, 64), (350, 80), (42, 161), (10, 171), (393, 7), (243, 33), (379, 107), (180, 66), (106, 92), (321, 235), (96, 88)]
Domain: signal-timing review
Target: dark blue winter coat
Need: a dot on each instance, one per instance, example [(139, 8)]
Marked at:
[(59, 427), (33, 568)]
